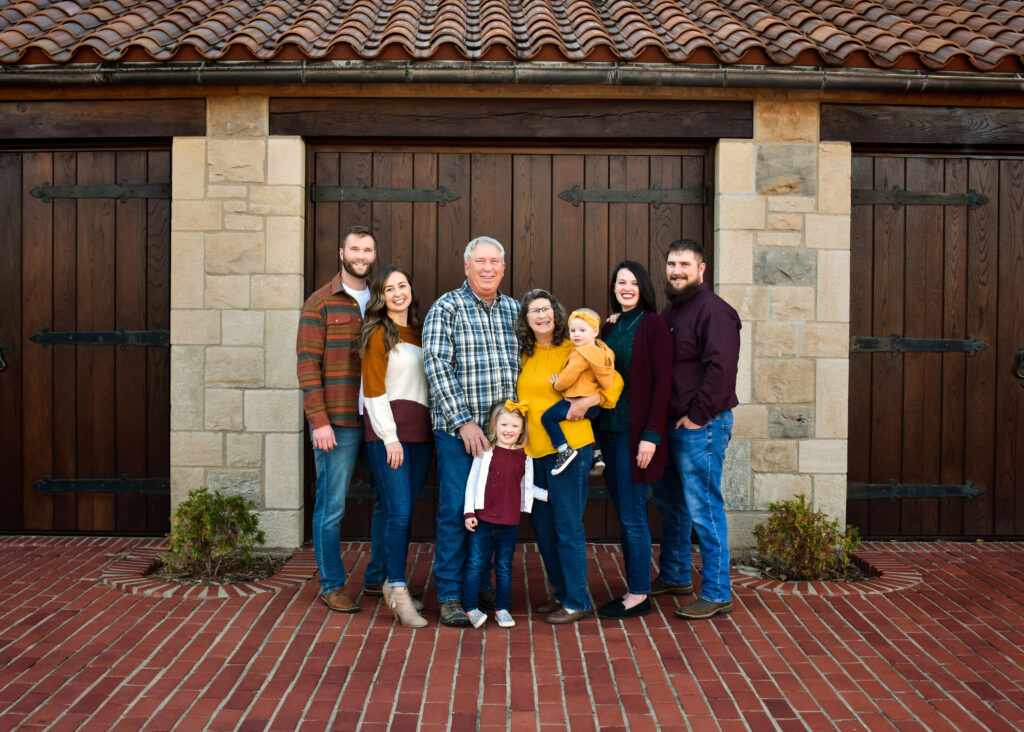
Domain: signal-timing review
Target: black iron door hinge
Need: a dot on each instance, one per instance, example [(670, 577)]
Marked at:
[(120, 337), (898, 344), (898, 197), (893, 490), (121, 191), (123, 485)]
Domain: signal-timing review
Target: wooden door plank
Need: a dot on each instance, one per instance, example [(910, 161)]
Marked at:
[(356, 169), (887, 370), (922, 372), (65, 371), (982, 278), (1008, 486), (392, 221), (424, 233), (861, 301), (638, 218), (322, 257), (531, 222), (10, 334), (597, 255), (158, 360), (453, 221), (568, 240), (129, 386), (37, 313), (491, 206), (954, 365), (664, 222), (96, 377)]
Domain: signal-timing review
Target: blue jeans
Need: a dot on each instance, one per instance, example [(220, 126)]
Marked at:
[(375, 572), (453, 464), (558, 412), (630, 501), (490, 540), (689, 494), (558, 523), (397, 492), (333, 474)]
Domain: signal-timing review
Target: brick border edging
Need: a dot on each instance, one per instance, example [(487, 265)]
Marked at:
[(128, 574), (890, 575)]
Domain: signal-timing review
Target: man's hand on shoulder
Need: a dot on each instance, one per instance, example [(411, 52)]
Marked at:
[(473, 438)]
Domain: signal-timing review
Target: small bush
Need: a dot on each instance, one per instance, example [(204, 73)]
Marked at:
[(800, 543), (210, 529)]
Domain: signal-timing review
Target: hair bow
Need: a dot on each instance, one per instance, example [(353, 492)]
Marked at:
[(516, 406)]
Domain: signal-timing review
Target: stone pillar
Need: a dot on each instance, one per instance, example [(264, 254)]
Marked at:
[(782, 237), (237, 244)]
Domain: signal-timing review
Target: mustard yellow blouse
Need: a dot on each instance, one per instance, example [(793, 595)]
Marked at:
[(535, 389)]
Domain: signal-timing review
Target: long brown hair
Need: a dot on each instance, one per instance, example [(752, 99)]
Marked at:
[(377, 312), (525, 333)]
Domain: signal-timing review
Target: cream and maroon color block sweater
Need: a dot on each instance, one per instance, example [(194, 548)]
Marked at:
[(395, 389)]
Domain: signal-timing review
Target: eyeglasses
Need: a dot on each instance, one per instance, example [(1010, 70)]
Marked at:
[(540, 311)]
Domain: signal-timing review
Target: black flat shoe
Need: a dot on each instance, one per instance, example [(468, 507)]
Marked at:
[(616, 610)]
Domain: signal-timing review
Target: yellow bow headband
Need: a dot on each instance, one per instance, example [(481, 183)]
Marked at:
[(585, 315), (516, 406)]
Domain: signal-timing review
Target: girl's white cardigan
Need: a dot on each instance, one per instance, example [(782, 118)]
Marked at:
[(476, 485)]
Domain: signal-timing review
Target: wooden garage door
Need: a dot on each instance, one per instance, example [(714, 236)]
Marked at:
[(84, 439), (939, 271), (514, 196)]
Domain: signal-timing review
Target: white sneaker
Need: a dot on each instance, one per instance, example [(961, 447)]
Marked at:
[(504, 619), (477, 618)]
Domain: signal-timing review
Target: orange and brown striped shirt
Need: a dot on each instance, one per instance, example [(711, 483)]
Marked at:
[(328, 366)]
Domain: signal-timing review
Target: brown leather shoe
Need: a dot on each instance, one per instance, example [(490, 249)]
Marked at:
[(338, 601), (563, 616), (703, 609), (548, 607), (664, 588)]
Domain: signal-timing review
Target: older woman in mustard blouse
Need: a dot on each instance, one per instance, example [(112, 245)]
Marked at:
[(543, 335)]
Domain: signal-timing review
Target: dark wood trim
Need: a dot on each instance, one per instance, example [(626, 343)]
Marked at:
[(909, 125), (120, 118), (512, 119)]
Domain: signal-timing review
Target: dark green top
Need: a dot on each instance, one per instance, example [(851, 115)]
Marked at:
[(620, 340)]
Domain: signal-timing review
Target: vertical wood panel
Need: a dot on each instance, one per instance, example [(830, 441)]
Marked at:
[(11, 336), (887, 370), (982, 276), (453, 221), (665, 221), (638, 220), (862, 255), (568, 239), (491, 205), (36, 278), (424, 233), (1008, 486), (158, 360), (327, 228), (531, 223), (954, 365), (596, 227)]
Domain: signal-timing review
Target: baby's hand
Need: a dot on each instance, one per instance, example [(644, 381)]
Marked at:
[(471, 524), (553, 378)]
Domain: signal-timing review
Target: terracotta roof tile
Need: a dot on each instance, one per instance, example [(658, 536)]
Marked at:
[(927, 34)]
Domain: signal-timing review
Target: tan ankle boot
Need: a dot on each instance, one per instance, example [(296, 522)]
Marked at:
[(401, 605), (386, 592)]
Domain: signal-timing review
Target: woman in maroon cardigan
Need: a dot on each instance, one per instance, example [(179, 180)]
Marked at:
[(632, 434)]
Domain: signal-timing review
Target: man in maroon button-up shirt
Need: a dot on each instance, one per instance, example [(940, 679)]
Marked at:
[(706, 346)]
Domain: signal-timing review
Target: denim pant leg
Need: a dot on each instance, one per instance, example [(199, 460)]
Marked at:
[(479, 552), (700, 460), (453, 464), (376, 568), (504, 553), (543, 520), (630, 501), (333, 473), (567, 494), (676, 555), (399, 489), (550, 419)]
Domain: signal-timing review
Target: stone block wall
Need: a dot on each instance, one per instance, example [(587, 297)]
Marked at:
[(782, 237), (237, 233)]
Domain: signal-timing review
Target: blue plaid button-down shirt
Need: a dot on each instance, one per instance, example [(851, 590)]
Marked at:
[(471, 357)]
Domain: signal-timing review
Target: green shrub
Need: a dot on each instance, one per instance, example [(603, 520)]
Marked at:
[(209, 530), (799, 543)]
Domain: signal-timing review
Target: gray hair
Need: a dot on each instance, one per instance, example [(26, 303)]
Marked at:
[(483, 240)]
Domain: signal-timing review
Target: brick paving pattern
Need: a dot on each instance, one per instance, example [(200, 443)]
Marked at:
[(81, 649)]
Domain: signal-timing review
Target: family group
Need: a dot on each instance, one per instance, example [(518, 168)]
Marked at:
[(514, 397)]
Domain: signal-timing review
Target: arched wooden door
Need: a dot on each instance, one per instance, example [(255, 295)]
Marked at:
[(565, 215)]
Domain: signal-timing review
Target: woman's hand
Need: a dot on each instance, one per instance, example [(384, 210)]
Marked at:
[(395, 454), (471, 524), (645, 453), (578, 406)]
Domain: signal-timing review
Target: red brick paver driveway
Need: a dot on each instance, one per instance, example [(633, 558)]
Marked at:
[(85, 646)]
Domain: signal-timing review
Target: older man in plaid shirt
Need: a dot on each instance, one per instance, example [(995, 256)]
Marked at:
[(472, 360)]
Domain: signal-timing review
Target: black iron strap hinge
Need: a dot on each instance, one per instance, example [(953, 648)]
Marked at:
[(651, 196), (898, 344), (120, 337), (899, 197), (123, 485), (893, 490), (363, 194), (121, 191)]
